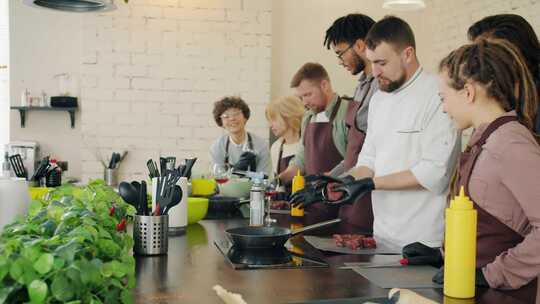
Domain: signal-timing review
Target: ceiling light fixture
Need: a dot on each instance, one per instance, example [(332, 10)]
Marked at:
[(404, 5), (79, 6)]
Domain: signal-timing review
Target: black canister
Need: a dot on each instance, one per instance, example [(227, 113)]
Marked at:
[(54, 178)]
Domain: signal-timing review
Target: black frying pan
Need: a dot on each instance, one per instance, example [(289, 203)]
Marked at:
[(259, 256), (225, 204), (268, 237)]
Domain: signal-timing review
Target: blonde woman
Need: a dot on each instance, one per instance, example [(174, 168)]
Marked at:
[(284, 115)]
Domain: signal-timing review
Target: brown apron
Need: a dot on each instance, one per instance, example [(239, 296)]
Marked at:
[(321, 155), (357, 217), (493, 236), (283, 163)]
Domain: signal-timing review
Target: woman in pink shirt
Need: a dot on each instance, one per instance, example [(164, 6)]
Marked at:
[(487, 85)]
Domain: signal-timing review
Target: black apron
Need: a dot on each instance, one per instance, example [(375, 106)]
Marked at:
[(253, 165)]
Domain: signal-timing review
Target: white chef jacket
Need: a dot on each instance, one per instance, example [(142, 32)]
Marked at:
[(407, 130)]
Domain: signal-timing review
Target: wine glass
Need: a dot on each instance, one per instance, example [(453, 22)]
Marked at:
[(270, 193), (221, 173)]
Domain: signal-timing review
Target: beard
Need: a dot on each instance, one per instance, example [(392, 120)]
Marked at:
[(392, 85), (359, 64)]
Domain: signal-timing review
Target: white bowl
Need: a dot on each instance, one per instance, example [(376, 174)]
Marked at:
[(235, 187)]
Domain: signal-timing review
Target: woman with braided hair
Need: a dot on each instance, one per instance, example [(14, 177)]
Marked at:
[(519, 32), (487, 85)]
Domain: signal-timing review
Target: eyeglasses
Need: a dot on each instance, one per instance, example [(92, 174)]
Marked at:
[(340, 54), (230, 115)]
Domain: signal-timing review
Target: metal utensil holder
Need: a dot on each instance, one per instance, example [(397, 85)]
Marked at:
[(150, 234), (110, 176)]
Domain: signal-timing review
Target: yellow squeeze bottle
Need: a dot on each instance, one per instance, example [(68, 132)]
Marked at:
[(298, 183), (460, 248)]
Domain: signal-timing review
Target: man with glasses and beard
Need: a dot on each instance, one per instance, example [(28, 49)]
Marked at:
[(346, 37), (411, 146)]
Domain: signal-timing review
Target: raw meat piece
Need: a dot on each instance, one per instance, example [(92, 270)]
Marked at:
[(280, 205), (354, 241)]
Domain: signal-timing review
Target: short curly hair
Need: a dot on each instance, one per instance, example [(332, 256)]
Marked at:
[(229, 102)]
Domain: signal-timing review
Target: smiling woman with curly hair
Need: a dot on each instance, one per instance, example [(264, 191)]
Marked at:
[(238, 148)]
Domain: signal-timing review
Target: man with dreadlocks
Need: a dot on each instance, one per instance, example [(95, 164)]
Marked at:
[(346, 38)]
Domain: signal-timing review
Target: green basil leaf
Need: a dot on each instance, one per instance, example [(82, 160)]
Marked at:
[(44, 264), (61, 288), (107, 270), (37, 290), (4, 267), (16, 270)]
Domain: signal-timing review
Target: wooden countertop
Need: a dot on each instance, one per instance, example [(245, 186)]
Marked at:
[(194, 265)]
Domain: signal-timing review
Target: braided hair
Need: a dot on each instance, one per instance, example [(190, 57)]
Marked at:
[(499, 67)]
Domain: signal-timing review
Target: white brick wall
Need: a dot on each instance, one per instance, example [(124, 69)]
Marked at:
[(452, 19), (150, 71), (153, 69), (4, 75)]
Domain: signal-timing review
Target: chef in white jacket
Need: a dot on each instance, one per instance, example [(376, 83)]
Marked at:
[(411, 146)]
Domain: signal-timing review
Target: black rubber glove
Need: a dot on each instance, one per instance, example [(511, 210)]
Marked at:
[(479, 279), (420, 254), (247, 162), (321, 180), (307, 196), (281, 196), (352, 190)]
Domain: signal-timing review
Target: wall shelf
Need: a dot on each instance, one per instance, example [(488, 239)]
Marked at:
[(23, 110)]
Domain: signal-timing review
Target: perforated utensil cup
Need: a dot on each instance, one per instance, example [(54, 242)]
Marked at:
[(150, 234)]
